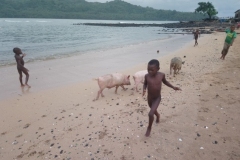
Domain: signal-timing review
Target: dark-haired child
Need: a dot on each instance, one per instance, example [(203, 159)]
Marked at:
[(20, 66), (196, 35), (153, 84)]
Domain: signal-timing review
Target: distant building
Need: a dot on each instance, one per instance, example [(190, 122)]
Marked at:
[(237, 15)]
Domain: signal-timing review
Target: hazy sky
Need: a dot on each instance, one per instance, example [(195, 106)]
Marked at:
[(225, 8)]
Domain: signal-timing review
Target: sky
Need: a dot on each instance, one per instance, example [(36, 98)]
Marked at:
[(225, 8)]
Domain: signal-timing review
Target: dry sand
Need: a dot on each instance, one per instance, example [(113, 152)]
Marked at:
[(200, 122)]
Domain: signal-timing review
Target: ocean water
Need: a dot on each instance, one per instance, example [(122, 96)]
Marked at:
[(43, 39)]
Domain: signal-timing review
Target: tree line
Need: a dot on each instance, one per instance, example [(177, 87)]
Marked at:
[(80, 9)]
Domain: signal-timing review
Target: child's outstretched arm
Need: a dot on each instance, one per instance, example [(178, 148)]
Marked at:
[(144, 86), (169, 84)]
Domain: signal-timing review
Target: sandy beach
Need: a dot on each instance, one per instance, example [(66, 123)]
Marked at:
[(200, 122)]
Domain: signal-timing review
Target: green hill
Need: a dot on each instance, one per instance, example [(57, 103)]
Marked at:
[(80, 9)]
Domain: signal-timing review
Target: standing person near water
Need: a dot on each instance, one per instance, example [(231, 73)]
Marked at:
[(20, 66), (196, 34)]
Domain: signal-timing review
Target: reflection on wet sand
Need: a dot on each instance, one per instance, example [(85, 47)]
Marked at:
[(25, 90)]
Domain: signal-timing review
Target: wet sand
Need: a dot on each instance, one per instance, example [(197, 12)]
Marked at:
[(200, 122)]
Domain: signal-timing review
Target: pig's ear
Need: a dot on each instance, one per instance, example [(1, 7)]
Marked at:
[(128, 76)]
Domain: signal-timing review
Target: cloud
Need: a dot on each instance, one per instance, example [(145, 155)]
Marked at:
[(224, 8)]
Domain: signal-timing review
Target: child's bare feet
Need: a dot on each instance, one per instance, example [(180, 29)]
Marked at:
[(158, 118), (28, 86), (22, 85), (148, 132)]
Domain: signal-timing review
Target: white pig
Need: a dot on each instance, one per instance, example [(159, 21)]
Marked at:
[(112, 80), (176, 65), (138, 78)]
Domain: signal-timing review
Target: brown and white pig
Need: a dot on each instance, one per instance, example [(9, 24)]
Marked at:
[(112, 80), (176, 65), (138, 78)]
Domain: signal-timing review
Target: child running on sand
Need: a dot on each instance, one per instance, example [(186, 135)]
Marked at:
[(231, 35), (153, 83), (20, 66)]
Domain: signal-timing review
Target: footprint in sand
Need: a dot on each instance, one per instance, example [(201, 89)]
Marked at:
[(26, 126), (141, 110), (204, 109), (32, 153), (41, 154), (20, 135), (229, 139), (123, 157), (70, 129), (2, 134), (47, 141), (102, 135), (202, 118), (20, 156), (63, 111), (40, 128), (107, 152)]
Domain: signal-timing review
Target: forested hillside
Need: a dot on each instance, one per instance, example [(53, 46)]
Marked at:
[(80, 9)]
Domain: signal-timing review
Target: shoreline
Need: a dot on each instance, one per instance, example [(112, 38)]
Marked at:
[(77, 54), (200, 122)]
